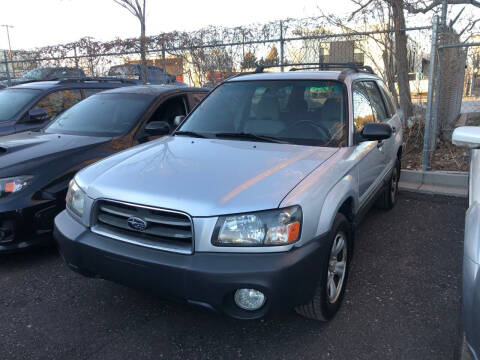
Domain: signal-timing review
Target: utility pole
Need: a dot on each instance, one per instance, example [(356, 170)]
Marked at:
[(9, 46)]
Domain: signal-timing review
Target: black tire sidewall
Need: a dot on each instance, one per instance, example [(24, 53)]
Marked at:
[(392, 202), (340, 224)]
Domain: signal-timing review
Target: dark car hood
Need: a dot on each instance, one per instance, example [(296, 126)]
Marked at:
[(37, 146)]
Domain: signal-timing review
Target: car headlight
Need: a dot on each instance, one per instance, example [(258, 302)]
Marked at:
[(14, 184), (264, 228), (75, 199)]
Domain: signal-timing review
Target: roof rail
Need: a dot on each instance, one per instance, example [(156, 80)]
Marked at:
[(320, 66), (97, 79)]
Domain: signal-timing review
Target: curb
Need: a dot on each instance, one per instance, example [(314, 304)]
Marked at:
[(452, 183)]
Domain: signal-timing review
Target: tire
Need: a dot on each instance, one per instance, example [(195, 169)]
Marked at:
[(389, 198), (325, 303)]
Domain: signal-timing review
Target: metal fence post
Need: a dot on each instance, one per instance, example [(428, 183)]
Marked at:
[(164, 60), (282, 44), (427, 147), (75, 54), (9, 80)]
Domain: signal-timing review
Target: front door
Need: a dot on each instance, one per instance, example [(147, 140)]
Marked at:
[(372, 159)]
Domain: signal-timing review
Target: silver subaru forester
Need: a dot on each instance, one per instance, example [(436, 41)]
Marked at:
[(250, 205)]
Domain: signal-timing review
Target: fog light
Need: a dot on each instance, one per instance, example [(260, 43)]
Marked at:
[(249, 299)]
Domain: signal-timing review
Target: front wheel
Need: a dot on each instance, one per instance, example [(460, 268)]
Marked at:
[(333, 274)]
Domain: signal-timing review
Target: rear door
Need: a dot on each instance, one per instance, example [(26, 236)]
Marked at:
[(371, 156)]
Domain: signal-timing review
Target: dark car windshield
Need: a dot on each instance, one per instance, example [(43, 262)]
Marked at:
[(102, 115), (306, 112), (12, 101), (125, 71)]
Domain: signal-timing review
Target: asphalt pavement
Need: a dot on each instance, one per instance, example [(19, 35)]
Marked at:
[(402, 302)]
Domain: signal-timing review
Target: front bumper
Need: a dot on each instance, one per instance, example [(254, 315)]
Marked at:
[(287, 279), (28, 227), (471, 305)]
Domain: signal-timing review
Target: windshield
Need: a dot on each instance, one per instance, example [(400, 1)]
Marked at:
[(125, 71), (12, 101), (36, 74), (102, 115), (304, 112)]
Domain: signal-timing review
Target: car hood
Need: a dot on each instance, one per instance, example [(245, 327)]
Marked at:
[(203, 177), (36, 147)]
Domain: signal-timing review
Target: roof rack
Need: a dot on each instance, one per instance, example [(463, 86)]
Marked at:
[(97, 79), (320, 66)]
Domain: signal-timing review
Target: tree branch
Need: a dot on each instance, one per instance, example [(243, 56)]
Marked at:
[(413, 9), (361, 8)]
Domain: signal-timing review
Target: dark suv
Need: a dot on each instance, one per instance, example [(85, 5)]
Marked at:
[(44, 74), (155, 74), (31, 106)]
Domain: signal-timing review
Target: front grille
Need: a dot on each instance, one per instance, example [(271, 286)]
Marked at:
[(165, 229)]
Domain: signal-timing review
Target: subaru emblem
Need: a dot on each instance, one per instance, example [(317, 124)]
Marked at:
[(136, 223)]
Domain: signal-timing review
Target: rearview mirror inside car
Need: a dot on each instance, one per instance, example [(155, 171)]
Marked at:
[(376, 131), (467, 136), (178, 120), (37, 114), (157, 128)]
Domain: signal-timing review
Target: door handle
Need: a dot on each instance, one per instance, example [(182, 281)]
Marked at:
[(394, 130), (380, 145)]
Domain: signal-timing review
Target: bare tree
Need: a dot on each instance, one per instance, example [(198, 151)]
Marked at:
[(378, 19), (401, 55), (137, 8)]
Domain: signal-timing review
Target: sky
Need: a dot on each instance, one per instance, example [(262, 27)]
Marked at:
[(49, 22)]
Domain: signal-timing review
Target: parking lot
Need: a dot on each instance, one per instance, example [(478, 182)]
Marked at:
[(402, 301)]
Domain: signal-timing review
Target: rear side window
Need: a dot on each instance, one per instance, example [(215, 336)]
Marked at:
[(59, 101), (376, 100)]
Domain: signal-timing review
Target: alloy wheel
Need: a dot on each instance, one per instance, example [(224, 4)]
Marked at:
[(337, 267)]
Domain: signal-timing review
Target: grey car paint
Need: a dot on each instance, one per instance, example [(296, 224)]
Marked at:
[(246, 176), (470, 137), (471, 260)]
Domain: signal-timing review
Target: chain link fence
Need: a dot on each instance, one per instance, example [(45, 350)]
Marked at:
[(207, 56)]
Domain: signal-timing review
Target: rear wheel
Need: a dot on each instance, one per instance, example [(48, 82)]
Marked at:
[(333, 274), (389, 198)]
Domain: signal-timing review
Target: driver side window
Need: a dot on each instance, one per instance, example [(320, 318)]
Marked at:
[(362, 110), (168, 110)]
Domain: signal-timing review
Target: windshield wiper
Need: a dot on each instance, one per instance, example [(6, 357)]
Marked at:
[(189, 133), (250, 136)]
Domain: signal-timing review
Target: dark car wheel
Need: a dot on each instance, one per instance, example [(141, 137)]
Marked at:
[(389, 198), (333, 274)]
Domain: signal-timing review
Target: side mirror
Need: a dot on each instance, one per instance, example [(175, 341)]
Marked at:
[(157, 128), (376, 131), (467, 136), (37, 115), (178, 120)]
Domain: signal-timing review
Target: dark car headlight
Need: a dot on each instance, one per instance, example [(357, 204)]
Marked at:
[(14, 184), (263, 228)]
